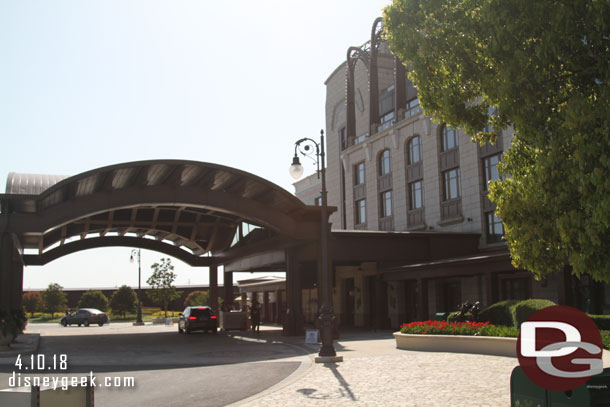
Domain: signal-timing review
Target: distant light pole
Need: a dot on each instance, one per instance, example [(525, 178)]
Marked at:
[(305, 147), (138, 253)]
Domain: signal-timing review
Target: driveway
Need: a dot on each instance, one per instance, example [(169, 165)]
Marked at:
[(168, 368)]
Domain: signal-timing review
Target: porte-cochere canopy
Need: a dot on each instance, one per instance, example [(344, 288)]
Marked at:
[(186, 209)]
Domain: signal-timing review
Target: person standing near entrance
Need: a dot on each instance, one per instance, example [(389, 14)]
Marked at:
[(255, 315)]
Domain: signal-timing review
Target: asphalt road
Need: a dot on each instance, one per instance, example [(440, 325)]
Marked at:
[(169, 369)]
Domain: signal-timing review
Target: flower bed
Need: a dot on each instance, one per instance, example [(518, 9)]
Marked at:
[(464, 337), (443, 328)]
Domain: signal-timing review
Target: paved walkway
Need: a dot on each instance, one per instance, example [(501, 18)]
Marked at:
[(375, 373)]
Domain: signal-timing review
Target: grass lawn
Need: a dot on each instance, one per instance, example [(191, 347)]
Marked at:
[(148, 313)]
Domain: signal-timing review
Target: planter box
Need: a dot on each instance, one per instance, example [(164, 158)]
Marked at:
[(483, 345), (233, 321), (158, 320)]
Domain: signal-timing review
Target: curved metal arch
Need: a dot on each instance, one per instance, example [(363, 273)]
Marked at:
[(115, 241), (376, 39), (354, 54), (377, 32), (357, 53)]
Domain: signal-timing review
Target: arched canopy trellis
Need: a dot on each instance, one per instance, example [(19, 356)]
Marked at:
[(204, 214)]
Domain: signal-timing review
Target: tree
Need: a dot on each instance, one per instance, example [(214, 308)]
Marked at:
[(32, 302), (161, 283), (197, 298), (542, 68), (54, 298), (123, 300), (93, 299)]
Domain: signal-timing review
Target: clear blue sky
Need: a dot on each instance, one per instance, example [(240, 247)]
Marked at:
[(84, 84)]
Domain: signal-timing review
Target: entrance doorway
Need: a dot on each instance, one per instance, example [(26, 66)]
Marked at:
[(348, 303), (378, 304), (410, 308)]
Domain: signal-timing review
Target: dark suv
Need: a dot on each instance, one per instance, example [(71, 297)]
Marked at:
[(197, 318)]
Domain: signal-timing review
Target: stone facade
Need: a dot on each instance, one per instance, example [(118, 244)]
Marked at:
[(380, 180)]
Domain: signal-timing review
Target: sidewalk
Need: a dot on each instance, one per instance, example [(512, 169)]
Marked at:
[(375, 373), (24, 344)]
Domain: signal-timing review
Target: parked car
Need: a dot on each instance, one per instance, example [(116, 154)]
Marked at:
[(84, 316), (197, 318)]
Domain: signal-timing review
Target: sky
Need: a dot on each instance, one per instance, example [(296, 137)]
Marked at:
[(85, 84)]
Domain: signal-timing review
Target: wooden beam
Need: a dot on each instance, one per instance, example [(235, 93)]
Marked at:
[(153, 226), (132, 219), (212, 240), (177, 219), (195, 227), (86, 228), (108, 224), (63, 234)]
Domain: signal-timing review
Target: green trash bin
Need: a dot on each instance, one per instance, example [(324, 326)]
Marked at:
[(524, 392), (594, 393)]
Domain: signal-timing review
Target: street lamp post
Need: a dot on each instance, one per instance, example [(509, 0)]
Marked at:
[(138, 253), (305, 147)]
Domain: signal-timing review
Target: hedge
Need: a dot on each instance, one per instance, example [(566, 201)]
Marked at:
[(526, 308), (500, 313), (606, 339), (602, 321)]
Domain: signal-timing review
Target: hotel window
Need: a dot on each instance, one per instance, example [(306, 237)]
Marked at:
[(490, 169), (386, 108), (451, 184), (412, 108), (490, 112), (415, 153), (449, 139), (415, 183), (416, 195), (360, 213), (386, 204), (385, 164), (495, 228), (359, 175)]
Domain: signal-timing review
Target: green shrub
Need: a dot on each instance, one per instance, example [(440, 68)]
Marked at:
[(606, 339), (93, 299), (526, 308), (453, 317), (500, 313), (501, 331), (602, 322), (197, 298)]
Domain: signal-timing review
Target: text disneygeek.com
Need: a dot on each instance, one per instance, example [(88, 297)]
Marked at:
[(64, 382)]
